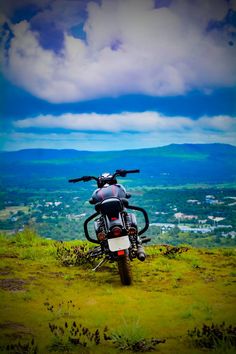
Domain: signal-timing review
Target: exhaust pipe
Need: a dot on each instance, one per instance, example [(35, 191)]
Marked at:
[(141, 255)]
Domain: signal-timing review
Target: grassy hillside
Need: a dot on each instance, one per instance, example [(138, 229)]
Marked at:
[(44, 302)]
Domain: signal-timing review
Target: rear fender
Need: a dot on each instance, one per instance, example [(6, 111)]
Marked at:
[(113, 221)]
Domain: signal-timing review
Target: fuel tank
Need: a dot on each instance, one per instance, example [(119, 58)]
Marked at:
[(109, 191)]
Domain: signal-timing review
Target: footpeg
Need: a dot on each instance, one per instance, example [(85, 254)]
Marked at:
[(145, 239)]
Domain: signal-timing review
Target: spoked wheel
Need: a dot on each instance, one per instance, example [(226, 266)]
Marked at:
[(124, 268)]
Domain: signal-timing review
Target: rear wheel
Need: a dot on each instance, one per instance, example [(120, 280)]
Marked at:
[(124, 268)]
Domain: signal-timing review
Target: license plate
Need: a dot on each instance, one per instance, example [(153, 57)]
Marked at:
[(119, 243)]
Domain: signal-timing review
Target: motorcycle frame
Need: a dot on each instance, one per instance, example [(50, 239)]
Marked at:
[(93, 216)]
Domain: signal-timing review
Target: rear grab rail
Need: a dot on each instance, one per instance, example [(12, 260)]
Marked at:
[(128, 207)]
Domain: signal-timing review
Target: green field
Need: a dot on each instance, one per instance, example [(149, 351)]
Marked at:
[(172, 293)]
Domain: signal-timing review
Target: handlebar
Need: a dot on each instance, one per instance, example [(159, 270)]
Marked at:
[(121, 173), (75, 180), (84, 179)]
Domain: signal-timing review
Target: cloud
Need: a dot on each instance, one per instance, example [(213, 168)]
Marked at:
[(127, 130), (128, 122), (113, 123), (130, 47), (106, 142)]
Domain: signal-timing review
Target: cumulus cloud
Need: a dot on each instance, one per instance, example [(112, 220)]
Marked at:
[(113, 123), (128, 121), (130, 47)]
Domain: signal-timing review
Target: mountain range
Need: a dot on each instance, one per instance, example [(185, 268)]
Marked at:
[(173, 164)]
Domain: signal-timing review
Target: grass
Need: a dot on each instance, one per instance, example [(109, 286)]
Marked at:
[(169, 297)]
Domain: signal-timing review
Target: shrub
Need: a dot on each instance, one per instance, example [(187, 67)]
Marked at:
[(214, 336), (132, 337), (172, 251), (26, 347), (73, 255), (27, 237), (70, 337)]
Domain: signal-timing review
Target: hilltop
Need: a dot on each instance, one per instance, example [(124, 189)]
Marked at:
[(172, 293), (169, 165)]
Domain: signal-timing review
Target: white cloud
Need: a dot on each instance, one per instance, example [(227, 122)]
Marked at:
[(164, 51), (119, 131), (128, 121), (107, 142)]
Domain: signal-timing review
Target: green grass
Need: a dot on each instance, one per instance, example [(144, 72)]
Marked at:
[(168, 298)]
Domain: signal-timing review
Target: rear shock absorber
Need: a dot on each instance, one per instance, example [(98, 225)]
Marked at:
[(132, 233), (135, 239)]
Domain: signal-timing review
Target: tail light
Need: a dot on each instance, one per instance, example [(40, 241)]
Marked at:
[(116, 231)]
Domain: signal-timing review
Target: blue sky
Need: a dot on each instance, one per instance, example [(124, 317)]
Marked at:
[(114, 75)]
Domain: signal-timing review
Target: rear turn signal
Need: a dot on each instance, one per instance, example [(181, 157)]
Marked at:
[(132, 231), (101, 236), (116, 231)]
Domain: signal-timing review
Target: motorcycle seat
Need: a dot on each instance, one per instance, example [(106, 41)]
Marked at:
[(110, 207)]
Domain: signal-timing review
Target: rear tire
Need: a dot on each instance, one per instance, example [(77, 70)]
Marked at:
[(124, 268)]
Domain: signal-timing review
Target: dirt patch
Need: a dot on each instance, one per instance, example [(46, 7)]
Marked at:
[(5, 270), (56, 274), (13, 325), (8, 255), (12, 284), (14, 330)]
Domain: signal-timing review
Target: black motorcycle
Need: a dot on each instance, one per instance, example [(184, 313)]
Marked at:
[(116, 229)]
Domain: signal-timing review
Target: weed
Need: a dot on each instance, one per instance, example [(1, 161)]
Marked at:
[(132, 337), (73, 255), (165, 266), (214, 336), (28, 253), (27, 237), (178, 276), (69, 336), (228, 252), (196, 264), (27, 296), (28, 347), (63, 309), (172, 251)]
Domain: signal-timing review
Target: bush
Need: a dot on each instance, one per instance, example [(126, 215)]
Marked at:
[(27, 237), (21, 347), (214, 336), (132, 337), (73, 255)]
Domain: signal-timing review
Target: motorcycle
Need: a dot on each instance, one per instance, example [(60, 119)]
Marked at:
[(116, 229)]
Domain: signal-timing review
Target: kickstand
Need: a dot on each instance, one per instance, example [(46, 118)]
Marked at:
[(99, 264)]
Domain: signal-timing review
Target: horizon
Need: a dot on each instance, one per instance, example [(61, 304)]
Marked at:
[(116, 75), (99, 151)]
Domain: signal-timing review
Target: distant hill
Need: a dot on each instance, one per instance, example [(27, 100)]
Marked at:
[(169, 165)]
